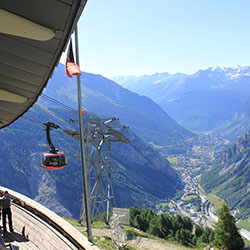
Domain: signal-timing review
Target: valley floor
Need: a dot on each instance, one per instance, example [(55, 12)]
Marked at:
[(194, 203)]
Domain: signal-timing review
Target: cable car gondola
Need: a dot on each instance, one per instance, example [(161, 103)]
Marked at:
[(53, 159)]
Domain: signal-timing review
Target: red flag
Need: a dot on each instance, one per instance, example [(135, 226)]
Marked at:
[(71, 67)]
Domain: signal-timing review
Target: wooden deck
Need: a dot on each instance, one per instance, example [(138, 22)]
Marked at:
[(36, 227)]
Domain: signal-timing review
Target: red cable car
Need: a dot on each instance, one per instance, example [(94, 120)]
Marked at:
[(53, 159)]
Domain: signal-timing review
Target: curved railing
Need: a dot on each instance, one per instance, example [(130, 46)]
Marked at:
[(44, 228)]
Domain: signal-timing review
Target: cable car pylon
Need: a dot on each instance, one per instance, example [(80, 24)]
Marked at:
[(99, 133)]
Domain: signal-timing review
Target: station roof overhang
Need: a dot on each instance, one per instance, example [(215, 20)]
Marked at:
[(33, 35)]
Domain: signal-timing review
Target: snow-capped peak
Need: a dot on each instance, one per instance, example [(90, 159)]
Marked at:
[(215, 68)]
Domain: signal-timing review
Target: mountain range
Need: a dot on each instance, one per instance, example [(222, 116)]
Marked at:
[(105, 97), (202, 101), (142, 177)]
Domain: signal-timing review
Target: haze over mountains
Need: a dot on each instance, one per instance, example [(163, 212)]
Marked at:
[(203, 101)]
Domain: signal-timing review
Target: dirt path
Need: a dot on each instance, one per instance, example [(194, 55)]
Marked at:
[(141, 243), (149, 244)]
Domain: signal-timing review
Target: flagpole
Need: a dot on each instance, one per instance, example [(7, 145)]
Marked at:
[(84, 167)]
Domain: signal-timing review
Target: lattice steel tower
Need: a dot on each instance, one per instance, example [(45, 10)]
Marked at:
[(99, 133)]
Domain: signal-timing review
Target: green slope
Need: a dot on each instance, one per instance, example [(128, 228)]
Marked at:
[(229, 178)]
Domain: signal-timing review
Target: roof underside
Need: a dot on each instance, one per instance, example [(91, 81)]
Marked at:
[(26, 64)]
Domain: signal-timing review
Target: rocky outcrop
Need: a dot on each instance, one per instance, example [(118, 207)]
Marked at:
[(242, 144)]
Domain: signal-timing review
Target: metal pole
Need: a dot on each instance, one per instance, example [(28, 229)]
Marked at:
[(107, 218), (84, 168), (109, 178)]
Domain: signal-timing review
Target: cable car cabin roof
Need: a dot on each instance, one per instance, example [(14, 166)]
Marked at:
[(53, 154), (33, 35)]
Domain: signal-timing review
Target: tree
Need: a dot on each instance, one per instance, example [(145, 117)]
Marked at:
[(198, 230), (226, 233), (133, 212), (146, 216), (155, 227)]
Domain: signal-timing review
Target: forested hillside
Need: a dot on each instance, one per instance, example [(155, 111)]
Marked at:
[(170, 227), (229, 178), (140, 176)]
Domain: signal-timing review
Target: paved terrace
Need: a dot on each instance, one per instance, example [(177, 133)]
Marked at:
[(38, 228)]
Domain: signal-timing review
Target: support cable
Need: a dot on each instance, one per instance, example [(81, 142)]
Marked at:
[(58, 103)]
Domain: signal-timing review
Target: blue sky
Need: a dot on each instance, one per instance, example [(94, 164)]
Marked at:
[(136, 37)]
